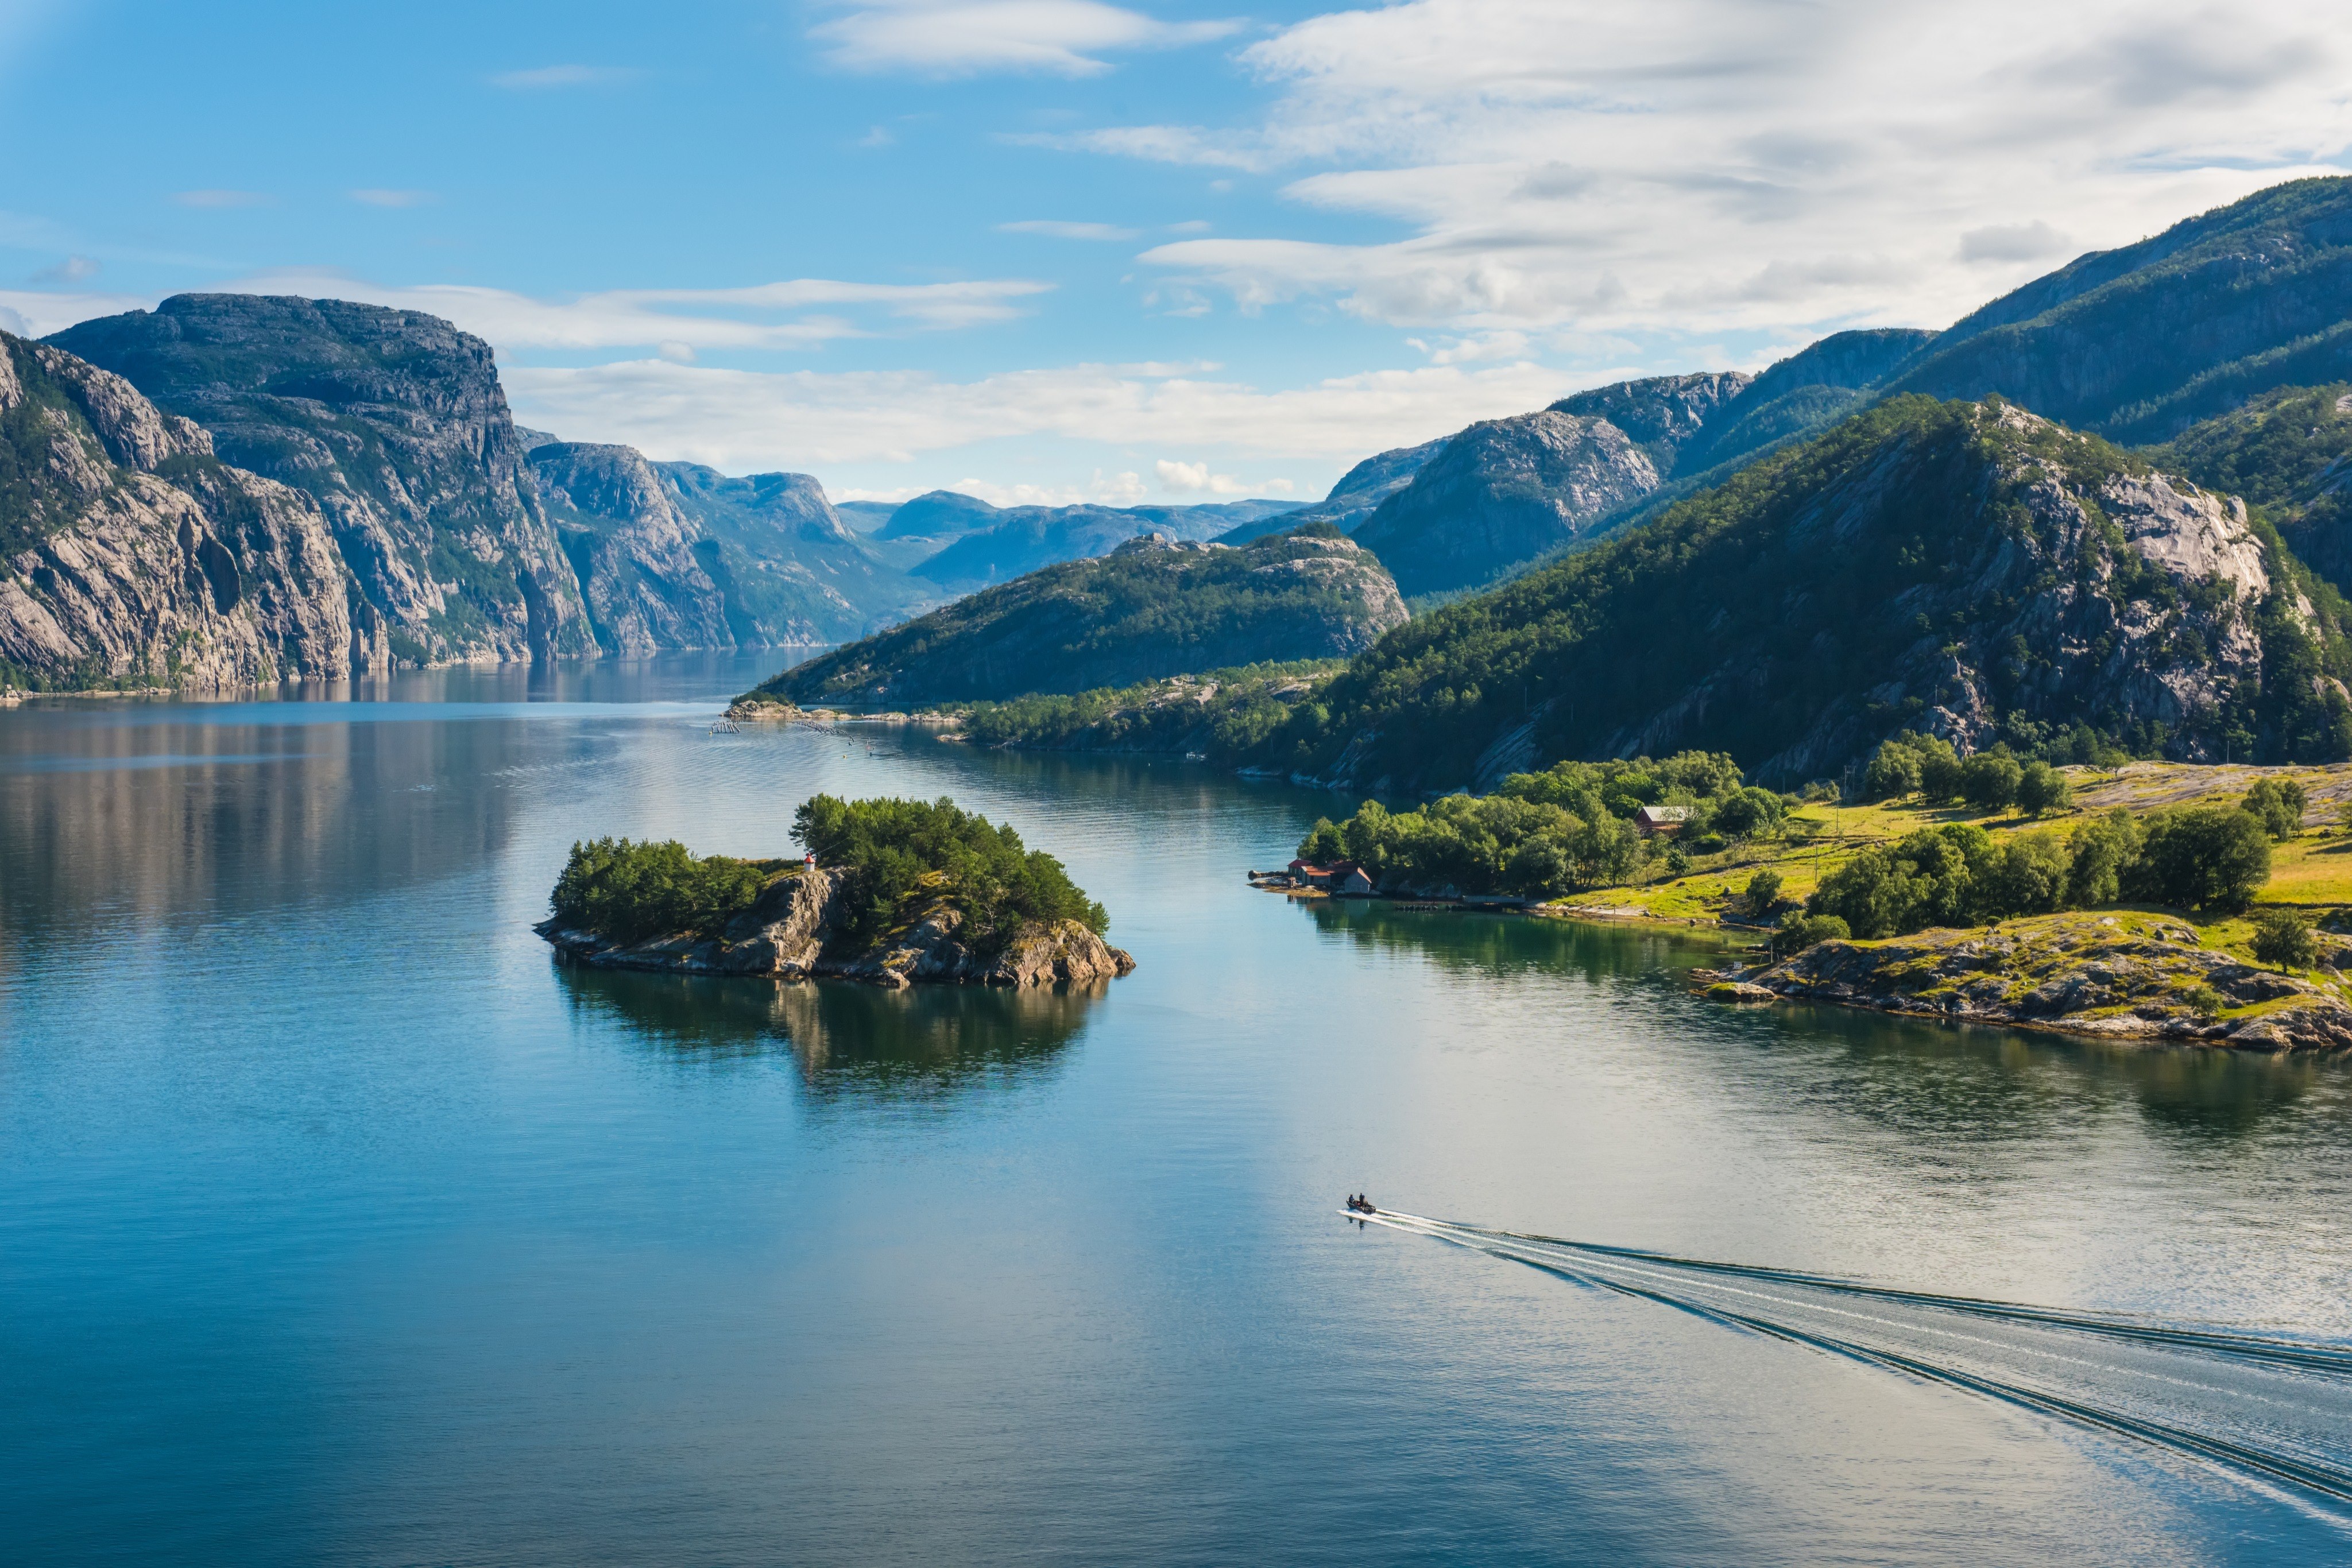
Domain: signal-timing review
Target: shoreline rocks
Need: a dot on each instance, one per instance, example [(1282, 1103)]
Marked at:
[(791, 934), (2116, 976)]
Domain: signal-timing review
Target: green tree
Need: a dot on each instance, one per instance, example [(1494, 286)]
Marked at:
[(1763, 892), (2282, 937), (2278, 804), (2099, 852), (1990, 780), (2041, 790), (630, 891), (1939, 770), (1801, 931), (1746, 814), (2200, 857), (1894, 772)]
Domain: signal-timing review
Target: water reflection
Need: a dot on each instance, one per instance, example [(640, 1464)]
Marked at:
[(1500, 945), (928, 1042), (1938, 1088)]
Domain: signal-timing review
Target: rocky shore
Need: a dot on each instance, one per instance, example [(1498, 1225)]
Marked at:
[(793, 933), (2127, 975)]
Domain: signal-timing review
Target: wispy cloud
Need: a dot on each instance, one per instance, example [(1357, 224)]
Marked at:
[(1058, 230), (799, 313), (217, 198), (1158, 144), (72, 269), (375, 196), (540, 78), (970, 37), (745, 420)]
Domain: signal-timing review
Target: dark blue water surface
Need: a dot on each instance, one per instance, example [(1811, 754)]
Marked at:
[(339, 1225)]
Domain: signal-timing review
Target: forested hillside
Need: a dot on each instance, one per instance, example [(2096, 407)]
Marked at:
[(1152, 608), (1961, 567)]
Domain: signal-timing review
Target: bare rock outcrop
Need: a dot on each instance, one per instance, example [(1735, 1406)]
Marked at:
[(2130, 976), (1504, 493)]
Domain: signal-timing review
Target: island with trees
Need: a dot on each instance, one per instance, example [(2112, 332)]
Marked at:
[(890, 892)]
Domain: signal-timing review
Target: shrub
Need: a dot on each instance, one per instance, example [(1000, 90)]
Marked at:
[(2279, 804), (2282, 937), (1989, 780), (2204, 1001), (1677, 860), (2042, 789), (2200, 857), (1801, 931), (1763, 893), (631, 890)]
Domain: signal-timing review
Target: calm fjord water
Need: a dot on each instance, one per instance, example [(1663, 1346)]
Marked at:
[(339, 1225)]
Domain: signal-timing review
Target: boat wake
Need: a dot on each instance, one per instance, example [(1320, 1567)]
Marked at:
[(2273, 1408)]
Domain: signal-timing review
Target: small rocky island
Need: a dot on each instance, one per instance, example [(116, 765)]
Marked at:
[(890, 892)]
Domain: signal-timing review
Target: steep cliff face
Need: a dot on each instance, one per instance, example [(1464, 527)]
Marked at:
[(2289, 454), (1964, 568), (1505, 493), (394, 422), (792, 568), (1152, 608), (1663, 415), (632, 552), (130, 555)]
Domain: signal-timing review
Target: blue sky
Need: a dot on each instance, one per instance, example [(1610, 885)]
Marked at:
[(1062, 249)]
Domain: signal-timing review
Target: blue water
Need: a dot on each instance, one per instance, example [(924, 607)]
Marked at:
[(339, 1225)]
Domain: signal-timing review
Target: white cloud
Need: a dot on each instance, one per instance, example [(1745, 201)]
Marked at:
[(743, 420), (36, 315), (222, 199), (1192, 478), (1718, 165), (540, 78), (373, 196), (966, 37), (787, 314), (1157, 145), (1067, 231)]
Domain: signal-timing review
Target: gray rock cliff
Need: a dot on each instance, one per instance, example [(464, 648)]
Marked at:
[(130, 555), (394, 422)]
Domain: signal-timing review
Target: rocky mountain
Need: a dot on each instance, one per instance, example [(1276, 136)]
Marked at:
[(1024, 538), (1504, 493), (2140, 342), (1508, 494), (132, 556), (793, 570), (1357, 496), (394, 422), (2289, 452), (1965, 567), (1154, 607), (633, 551)]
